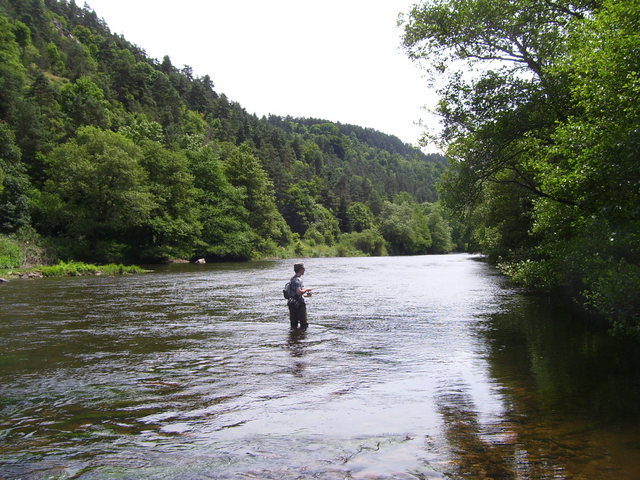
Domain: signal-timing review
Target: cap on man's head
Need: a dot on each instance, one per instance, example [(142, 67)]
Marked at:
[(297, 267)]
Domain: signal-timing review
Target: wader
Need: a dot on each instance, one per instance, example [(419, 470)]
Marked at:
[(297, 312)]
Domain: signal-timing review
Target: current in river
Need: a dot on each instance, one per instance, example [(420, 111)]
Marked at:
[(421, 367)]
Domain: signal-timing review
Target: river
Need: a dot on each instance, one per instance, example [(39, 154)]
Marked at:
[(412, 368)]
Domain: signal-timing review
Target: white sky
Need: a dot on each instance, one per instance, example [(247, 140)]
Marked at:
[(338, 60)]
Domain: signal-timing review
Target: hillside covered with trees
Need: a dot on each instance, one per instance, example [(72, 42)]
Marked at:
[(109, 155), (542, 126)]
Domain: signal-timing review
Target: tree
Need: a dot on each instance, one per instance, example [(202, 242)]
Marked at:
[(298, 207), (439, 228), (84, 102), (593, 159), (201, 97), (96, 193), (404, 226), (173, 227), (306, 214), (543, 140), (359, 217), (167, 101), (11, 70), (244, 170), (43, 94), (139, 128), (324, 227), (496, 119), (225, 220), (14, 184)]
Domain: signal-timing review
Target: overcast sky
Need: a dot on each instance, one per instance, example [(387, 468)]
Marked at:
[(338, 60)]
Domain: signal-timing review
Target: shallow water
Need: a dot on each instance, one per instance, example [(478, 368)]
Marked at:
[(412, 368)]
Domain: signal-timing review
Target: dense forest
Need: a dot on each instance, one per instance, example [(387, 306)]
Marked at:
[(107, 155), (541, 111)]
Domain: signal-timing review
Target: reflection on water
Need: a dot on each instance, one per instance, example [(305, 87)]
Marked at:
[(415, 367), (295, 344)]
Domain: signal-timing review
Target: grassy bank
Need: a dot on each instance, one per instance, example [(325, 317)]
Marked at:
[(27, 255), (70, 269)]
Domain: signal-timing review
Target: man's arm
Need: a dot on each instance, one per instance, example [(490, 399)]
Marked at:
[(303, 291)]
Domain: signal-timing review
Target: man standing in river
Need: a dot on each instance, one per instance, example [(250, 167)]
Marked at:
[(296, 303)]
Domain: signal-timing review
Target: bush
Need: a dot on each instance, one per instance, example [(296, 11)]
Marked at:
[(10, 253), (344, 249), (614, 294), (538, 275), (369, 242)]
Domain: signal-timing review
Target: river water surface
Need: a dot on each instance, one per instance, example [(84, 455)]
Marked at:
[(412, 368)]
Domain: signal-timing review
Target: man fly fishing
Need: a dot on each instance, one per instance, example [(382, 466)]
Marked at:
[(296, 303)]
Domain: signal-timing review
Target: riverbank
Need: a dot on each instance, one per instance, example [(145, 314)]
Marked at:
[(69, 269), (74, 268)]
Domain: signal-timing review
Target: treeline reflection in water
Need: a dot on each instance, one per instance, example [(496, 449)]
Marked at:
[(570, 393), (414, 367)]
